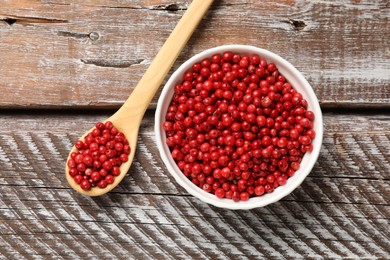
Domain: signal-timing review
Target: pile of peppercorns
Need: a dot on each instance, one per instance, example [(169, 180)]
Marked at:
[(236, 127), (97, 160)]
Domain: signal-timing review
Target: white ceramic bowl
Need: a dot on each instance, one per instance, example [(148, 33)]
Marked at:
[(298, 82)]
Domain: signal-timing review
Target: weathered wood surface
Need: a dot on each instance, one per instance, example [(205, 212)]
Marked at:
[(341, 210), (90, 54)]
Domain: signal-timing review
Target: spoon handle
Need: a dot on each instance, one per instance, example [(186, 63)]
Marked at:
[(147, 87)]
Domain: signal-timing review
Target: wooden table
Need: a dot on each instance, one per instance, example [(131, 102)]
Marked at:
[(65, 65)]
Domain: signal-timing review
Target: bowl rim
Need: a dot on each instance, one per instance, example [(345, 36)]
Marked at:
[(292, 182)]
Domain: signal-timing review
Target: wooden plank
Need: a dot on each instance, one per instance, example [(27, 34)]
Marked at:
[(182, 226), (88, 54), (340, 211)]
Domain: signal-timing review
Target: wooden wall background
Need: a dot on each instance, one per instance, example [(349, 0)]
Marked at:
[(88, 54), (65, 65)]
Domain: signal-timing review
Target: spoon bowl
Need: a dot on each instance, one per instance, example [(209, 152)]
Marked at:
[(131, 132), (128, 118)]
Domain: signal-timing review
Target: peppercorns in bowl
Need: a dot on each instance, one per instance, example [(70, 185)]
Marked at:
[(238, 126)]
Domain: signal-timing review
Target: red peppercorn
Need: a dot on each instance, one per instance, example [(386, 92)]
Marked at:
[(85, 184), (72, 163), (259, 190), (220, 193), (78, 178), (107, 165), (115, 171), (79, 145), (102, 184), (244, 196), (73, 172), (225, 172), (281, 180), (124, 157), (109, 179)]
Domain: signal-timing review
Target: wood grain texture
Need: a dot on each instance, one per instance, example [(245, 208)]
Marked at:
[(341, 210), (90, 54)]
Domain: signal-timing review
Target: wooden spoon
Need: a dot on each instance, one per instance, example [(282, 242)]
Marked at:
[(128, 118)]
